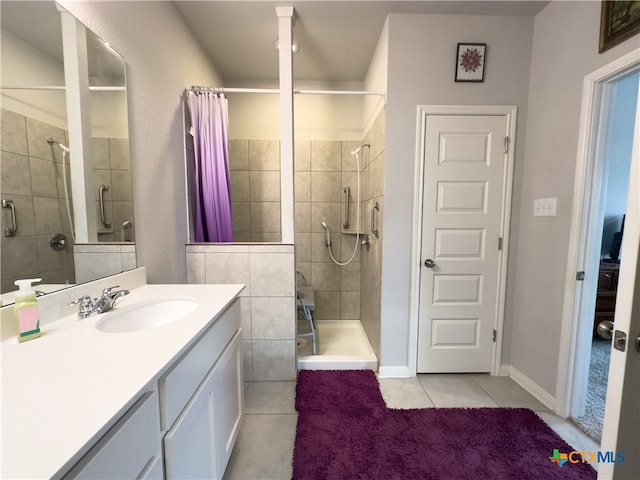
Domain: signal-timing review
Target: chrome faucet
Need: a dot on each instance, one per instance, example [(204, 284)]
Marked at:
[(89, 306)]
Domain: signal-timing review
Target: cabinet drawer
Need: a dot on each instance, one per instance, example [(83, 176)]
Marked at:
[(178, 385), (130, 449)]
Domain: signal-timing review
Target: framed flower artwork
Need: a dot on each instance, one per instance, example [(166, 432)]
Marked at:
[(470, 62)]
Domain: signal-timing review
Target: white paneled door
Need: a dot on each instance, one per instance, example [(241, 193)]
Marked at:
[(464, 196)]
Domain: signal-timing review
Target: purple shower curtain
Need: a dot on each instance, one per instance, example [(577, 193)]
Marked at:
[(209, 122)]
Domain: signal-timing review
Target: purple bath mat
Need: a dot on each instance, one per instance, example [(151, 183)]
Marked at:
[(338, 443), (320, 391)]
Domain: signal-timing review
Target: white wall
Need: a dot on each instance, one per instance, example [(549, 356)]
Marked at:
[(159, 66), (565, 49), (24, 65), (422, 50), (376, 79), (316, 117)]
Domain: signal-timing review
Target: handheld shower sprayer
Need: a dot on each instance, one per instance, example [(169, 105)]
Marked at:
[(64, 148), (327, 241), (356, 152)]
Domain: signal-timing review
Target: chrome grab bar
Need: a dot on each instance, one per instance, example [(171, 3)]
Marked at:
[(374, 219), (103, 220), (347, 207), (10, 231)]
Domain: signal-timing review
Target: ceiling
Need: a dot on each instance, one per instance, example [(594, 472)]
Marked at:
[(337, 38)]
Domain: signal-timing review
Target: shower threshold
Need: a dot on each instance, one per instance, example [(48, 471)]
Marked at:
[(342, 345)]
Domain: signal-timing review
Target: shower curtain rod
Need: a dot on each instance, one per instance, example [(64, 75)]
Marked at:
[(93, 89), (276, 90)]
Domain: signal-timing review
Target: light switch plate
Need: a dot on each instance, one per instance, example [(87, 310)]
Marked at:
[(545, 207)]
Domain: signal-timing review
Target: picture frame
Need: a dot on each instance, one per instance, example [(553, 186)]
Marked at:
[(619, 21), (471, 59)]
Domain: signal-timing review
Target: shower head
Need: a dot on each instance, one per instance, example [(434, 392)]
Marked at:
[(327, 240), (51, 141), (357, 150)]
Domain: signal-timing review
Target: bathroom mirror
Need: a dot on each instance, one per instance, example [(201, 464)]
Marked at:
[(35, 171)]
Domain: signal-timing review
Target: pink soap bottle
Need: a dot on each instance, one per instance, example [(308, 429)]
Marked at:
[(26, 310)]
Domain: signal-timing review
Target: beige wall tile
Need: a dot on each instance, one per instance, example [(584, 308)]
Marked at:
[(272, 360), (195, 268), (350, 305), (119, 156), (302, 187), (264, 186), (272, 318), (264, 155), (303, 217), (265, 217), (100, 153), (327, 305), (16, 174), (228, 268), (326, 186), (302, 153), (13, 132), (37, 133), (239, 185), (325, 276), (272, 275), (238, 155), (326, 156)]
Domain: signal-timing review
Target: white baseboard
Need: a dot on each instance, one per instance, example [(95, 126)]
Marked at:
[(401, 371), (530, 386)]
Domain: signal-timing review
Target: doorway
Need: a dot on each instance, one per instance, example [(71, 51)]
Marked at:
[(603, 91), (616, 131), (463, 168)]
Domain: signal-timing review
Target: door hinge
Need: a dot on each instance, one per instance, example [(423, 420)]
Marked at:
[(507, 140), (495, 335), (500, 243), (580, 276)]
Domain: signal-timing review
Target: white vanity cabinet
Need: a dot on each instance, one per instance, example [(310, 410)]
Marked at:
[(201, 402), (130, 449)]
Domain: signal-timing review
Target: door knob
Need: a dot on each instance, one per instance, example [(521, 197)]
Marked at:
[(638, 343), (429, 263), (605, 329)]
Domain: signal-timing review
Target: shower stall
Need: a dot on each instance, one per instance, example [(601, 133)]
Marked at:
[(338, 169)]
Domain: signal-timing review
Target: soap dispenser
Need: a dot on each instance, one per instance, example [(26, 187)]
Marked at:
[(26, 310)]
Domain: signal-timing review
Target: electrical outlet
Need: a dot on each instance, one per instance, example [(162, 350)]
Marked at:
[(545, 207)]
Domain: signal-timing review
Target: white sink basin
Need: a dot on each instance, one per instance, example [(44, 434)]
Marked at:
[(145, 315)]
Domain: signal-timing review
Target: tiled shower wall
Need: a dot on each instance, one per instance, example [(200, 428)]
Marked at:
[(255, 190), (371, 274), (322, 168), (32, 179), (112, 167), (267, 302)]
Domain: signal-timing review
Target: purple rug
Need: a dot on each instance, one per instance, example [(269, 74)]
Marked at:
[(345, 431)]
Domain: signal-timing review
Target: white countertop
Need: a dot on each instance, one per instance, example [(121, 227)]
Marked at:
[(62, 390)]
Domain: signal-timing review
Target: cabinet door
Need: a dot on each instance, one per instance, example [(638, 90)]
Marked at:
[(190, 444), (200, 442), (228, 403)]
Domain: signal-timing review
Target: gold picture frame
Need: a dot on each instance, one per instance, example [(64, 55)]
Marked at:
[(619, 21)]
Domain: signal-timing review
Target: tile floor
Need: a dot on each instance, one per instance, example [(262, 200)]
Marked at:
[(265, 442)]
